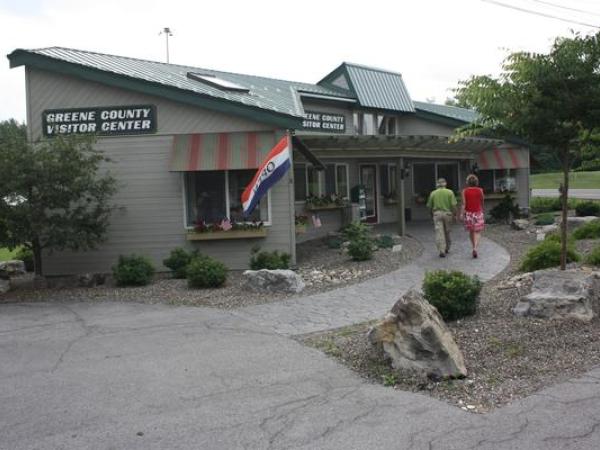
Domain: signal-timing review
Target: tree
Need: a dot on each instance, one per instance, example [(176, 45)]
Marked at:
[(54, 194), (550, 100)]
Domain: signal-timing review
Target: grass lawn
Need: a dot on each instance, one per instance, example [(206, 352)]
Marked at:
[(6, 254), (577, 180)]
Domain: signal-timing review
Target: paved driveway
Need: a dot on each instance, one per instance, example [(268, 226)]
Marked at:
[(133, 376)]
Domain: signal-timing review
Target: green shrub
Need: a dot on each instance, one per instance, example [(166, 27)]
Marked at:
[(206, 272), (361, 249), (334, 242), (133, 270), (454, 294), (178, 261), (505, 209), (385, 241), (593, 258), (587, 209), (26, 255), (590, 230), (355, 230), (544, 204), (545, 255), (555, 237), (270, 260), (545, 219)]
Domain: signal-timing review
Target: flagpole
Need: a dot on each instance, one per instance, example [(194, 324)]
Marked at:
[(292, 196)]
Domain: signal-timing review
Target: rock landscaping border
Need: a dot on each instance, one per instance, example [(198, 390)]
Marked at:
[(507, 357)]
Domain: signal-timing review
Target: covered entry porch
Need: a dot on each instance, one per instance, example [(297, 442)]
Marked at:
[(396, 174)]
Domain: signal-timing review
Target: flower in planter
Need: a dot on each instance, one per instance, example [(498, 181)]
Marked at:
[(301, 219)]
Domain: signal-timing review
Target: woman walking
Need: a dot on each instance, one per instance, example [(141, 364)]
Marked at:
[(472, 211)]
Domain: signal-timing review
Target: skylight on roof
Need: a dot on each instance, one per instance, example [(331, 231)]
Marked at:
[(217, 82)]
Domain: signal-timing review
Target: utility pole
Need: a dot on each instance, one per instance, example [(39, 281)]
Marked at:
[(167, 32)]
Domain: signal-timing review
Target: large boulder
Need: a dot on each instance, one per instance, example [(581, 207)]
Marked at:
[(12, 268), (557, 294), (279, 280), (520, 224), (415, 336)]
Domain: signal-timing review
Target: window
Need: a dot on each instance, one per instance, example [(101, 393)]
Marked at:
[(368, 124), (336, 180), (386, 125), (388, 180), (220, 83), (497, 180), (307, 181), (425, 176), (212, 196)]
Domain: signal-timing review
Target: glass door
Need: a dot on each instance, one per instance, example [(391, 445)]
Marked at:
[(368, 178), (449, 171)]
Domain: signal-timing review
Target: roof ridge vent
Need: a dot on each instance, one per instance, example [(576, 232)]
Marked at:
[(216, 82)]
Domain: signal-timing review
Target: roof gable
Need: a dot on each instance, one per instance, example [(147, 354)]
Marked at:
[(374, 88), (454, 113)]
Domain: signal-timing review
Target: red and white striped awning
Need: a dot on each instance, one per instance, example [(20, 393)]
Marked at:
[(503, 158), (220, 151)]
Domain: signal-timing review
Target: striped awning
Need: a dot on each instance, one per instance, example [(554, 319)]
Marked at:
[(503, 158), (220, 151)]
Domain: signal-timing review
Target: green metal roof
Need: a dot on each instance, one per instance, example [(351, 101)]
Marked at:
[(451, 112), (374, 88), (277, 97)]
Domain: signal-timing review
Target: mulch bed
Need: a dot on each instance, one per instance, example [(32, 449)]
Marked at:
[(507, 357), (321, 267)]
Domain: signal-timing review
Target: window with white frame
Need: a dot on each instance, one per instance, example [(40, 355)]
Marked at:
[(386, 125), (211, 196), (388, 180), (497, 180), (308, 182)]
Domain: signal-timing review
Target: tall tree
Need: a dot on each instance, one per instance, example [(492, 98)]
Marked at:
[(54, 194), (551, 100)]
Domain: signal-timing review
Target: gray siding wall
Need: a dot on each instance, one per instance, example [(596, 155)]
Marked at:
[(47, 90), (150, 215), (413, 125)]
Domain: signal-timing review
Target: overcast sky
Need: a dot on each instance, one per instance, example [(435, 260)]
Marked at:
[(433, 43)]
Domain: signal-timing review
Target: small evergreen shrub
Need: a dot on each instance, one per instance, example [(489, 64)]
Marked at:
[(505, 209), (206, 272), (555, 237), (355, 230), (270, 260), (361, 249), (545, 255), (587, 209), (544, 204), (545, 219), (590, 230), (26, 255), (593, 258), (334, 242), (178, 261), (133, 270), (454, 293), (385, 241)]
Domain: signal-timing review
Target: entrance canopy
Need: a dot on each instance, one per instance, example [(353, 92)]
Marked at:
[(408, 146)]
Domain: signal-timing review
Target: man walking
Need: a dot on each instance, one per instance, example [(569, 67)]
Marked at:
[(442, 204)]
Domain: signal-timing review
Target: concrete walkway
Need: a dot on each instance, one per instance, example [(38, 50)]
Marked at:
[(372, 299)]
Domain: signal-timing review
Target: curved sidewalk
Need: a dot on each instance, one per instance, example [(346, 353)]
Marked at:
[(371, 299)]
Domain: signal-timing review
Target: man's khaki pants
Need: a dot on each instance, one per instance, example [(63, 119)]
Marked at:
[(442, 221)]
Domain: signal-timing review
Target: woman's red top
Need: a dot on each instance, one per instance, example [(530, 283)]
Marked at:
[(473, 199)]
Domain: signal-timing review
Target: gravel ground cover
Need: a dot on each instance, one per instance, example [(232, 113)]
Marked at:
[(507, 357), (321, 267)]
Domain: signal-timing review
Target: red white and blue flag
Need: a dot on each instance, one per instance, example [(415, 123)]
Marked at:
[(275, 165)]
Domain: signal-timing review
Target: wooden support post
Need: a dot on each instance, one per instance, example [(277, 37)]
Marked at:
[(400, 197)]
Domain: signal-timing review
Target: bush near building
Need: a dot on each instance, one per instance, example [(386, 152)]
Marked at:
[(453, 293), (361, 249), (547, 254), (270, 260), (133, 270), (178, 261), (206, 272), (587, 208)]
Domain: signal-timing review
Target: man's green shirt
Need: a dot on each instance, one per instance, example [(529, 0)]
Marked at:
[(442, 199)]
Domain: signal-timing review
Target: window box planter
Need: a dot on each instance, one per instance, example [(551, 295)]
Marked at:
[(499, 195), (231, 234), (310, 207)]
